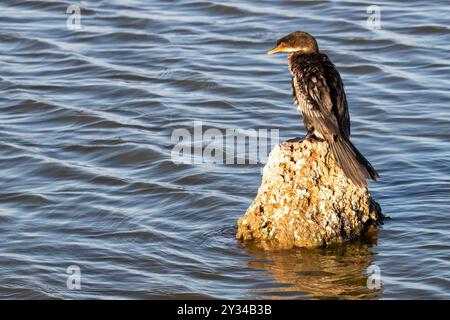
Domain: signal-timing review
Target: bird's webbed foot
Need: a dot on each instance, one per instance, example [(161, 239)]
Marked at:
[(312, 136), (296, 139)]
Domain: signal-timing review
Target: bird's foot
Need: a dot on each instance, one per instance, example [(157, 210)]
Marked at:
[(312, 136), (296, 139)]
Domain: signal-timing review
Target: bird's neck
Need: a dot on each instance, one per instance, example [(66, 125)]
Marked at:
[(294, 54), (296, 57)]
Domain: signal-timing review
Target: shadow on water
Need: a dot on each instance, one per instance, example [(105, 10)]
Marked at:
[(326, 273)]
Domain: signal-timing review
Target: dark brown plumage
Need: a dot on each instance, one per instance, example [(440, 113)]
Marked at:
[(319, 93)]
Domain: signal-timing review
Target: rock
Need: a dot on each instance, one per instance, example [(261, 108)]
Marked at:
[(305, 200)]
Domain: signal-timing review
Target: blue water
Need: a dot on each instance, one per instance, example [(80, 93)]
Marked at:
[(87, 116)]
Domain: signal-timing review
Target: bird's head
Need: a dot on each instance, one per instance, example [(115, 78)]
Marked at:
[(298, 41)]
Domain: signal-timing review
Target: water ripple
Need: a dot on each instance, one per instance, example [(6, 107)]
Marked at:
[(85, 147)]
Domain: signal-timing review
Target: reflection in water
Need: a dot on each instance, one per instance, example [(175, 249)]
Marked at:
[(333, 273)]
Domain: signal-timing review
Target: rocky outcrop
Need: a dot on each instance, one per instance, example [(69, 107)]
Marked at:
[(305, 200)]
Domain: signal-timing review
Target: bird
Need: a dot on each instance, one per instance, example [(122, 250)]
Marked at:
[(318, 91)]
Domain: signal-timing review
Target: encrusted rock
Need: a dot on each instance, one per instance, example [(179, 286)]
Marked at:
[(305, 200)]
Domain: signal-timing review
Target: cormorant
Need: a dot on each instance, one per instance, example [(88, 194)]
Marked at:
[(319, 93)]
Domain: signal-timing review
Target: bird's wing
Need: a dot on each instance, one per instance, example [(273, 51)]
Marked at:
[(337, 94), (318, 105), (326, 103)]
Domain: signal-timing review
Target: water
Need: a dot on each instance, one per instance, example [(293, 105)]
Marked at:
[(85, 147)]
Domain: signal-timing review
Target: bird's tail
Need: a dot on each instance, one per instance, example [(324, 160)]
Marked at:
[(352, 162)]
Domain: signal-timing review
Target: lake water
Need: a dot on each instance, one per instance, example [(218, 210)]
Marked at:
[(86, 121)]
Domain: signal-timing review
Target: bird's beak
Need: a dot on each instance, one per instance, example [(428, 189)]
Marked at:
[(278, 48)]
